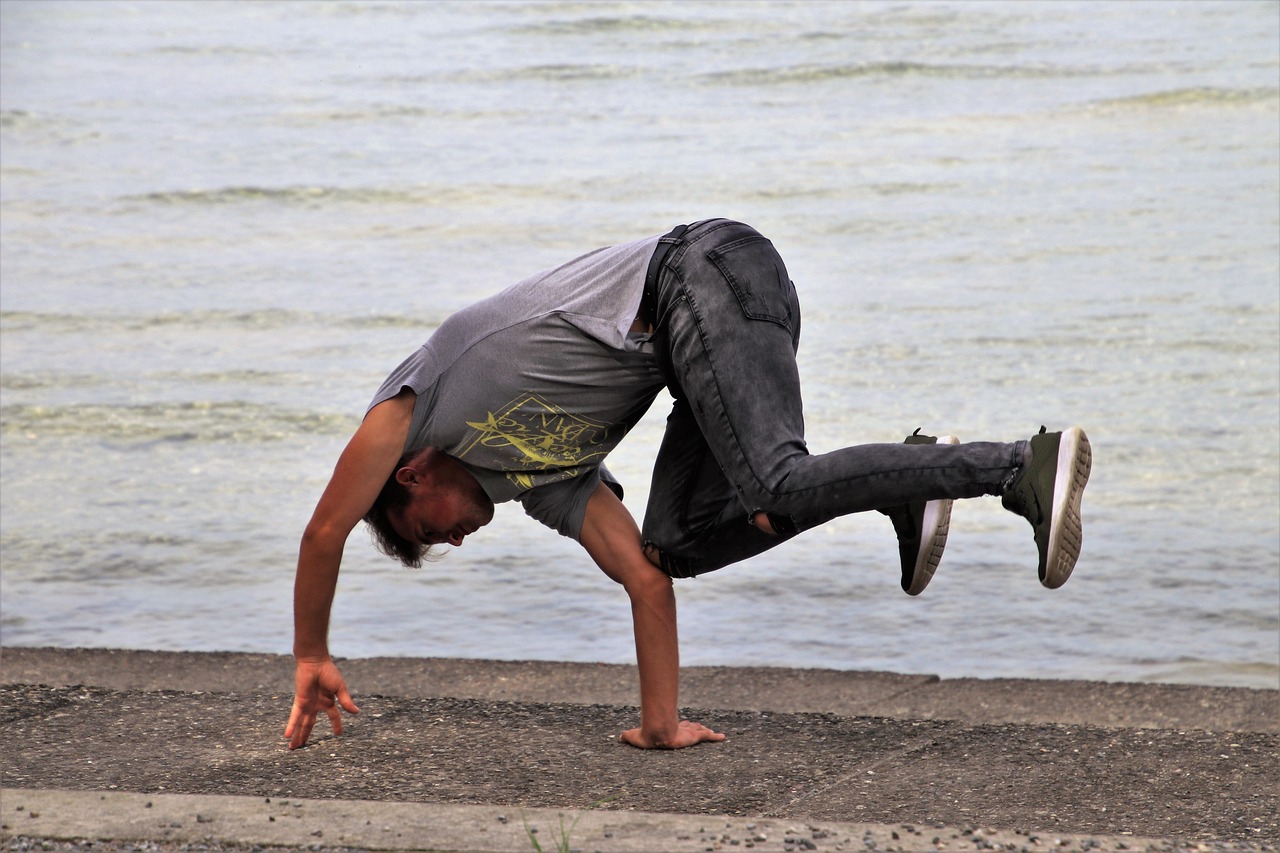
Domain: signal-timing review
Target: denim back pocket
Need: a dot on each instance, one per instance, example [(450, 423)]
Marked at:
[(756, 275)]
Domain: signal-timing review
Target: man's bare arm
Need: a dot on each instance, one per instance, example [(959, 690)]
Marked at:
[(362, 470), (611, 537)]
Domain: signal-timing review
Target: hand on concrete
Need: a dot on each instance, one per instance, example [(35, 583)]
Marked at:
[(688, 733), (317, 685)]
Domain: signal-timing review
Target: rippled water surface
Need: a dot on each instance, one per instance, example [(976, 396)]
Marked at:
[(221, 224)]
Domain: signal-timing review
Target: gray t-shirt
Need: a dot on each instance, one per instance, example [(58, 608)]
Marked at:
[(531, 388)]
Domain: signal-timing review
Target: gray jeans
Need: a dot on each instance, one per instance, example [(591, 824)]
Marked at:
[(726, 329)]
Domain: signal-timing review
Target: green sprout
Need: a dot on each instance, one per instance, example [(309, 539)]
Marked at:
[(561, 843)]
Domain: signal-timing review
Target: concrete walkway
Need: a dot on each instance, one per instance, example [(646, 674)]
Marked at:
[(184, 750)]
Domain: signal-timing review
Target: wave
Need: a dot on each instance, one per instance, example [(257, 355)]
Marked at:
[(264, 319), (197, 421), (61, 381), (293, 195), (818, 73), (272, 53), (10, 381), (1165, 357), (1194, 96), (45, 125), (611, 24), (434, 195), (398, 112), (19, 118), (560, 72), (774, 194)]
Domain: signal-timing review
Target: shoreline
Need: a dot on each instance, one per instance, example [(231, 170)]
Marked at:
[(445, 748)]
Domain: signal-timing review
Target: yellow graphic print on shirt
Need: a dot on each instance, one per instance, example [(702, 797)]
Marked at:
[(538, 437)]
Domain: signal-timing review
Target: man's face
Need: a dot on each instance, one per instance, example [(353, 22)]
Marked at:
[(442, 515)]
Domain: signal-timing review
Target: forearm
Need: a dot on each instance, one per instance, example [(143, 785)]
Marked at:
[(313, 591), (653, 614)]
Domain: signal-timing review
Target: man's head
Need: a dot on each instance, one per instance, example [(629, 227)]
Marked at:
[(430, 499)]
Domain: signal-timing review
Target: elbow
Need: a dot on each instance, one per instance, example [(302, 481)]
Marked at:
[(313, 535), (319, 536)]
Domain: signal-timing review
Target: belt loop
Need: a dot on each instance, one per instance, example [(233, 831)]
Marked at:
[(649, 300)]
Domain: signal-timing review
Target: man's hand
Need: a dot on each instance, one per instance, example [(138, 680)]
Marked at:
[(317, 685), (688, 733)]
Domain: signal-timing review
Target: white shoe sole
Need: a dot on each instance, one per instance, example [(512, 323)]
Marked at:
[(934, 526), (1066, 531)]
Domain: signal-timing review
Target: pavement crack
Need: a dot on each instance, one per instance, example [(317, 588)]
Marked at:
[(860, 770), (911, 688)]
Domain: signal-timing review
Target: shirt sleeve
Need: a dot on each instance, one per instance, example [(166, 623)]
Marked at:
[(563, 505)]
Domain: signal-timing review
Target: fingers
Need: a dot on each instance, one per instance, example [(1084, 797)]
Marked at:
[(300, 724), (303, 719), (344, 699), (335, 719), (331, 702), (699, 733), (300, 737)]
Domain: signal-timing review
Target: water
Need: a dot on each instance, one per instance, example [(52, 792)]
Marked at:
[(222, 224)]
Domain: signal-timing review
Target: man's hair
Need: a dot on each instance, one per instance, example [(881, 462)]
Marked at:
[(394, 496)]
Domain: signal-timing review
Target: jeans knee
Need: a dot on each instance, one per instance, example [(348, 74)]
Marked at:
[(669, 564), (774, 523)]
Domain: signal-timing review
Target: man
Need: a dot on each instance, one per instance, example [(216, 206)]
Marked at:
[(523, 395)]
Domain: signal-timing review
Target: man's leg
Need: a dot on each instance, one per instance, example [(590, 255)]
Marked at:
[(694, 521), (728, 321)]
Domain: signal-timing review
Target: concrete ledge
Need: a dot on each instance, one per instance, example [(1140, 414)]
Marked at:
[(175, 819), (444, 751)]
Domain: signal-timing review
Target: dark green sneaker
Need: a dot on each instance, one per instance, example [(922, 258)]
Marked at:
[(1047, 493), (922, 529)]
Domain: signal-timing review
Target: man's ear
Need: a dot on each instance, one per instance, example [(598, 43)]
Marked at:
[(408, 476)]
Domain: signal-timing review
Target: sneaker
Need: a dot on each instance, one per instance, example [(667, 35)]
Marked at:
[(922, 529), (1047, 493)]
